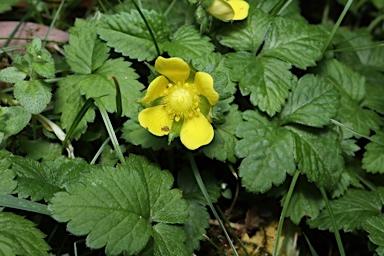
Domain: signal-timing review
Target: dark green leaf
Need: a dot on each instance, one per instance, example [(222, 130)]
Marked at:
[(116, 208), (33, 95), (14, 119), (19, 236), (267, 80), (373, 159), (123, 27), (351, 210), (267, 151), (187, 43), (375, 227), (169, 240), (295, 42), (313, 102), (318, 154), (7, 176)]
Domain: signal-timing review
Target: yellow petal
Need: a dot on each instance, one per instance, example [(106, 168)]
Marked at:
[(222, 10), (204, 85), (155, 89), (196, 132), (175, 69), (240, 9), (156, 120)]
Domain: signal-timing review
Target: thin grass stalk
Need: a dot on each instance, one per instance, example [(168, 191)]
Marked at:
[(53, 22), (23, 204)]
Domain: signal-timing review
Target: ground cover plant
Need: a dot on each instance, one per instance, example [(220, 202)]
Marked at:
[(181, 127)]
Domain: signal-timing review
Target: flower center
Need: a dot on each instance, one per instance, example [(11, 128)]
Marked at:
[(181, 100)]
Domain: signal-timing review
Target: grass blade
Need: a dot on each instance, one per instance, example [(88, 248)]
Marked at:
[(23, 204), (313, 251)]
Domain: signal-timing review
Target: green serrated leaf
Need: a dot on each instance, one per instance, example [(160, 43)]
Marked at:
[(40, 149), (101, 85), (187, 43), (352, 90), (375, 227), (267, 152), (12, 75), (191, 190), (169, 240), (306, 201), (69, 102), (318, 154), (19, 236), (248, 35), (33, 95), (123, 27), (14, 119), (119, 206), (351, 210), (7, 176), (348, 178), (313, 102), (295, 42), (223, 144), (196, 225), (373, 158), (85, 52), (267, 80)]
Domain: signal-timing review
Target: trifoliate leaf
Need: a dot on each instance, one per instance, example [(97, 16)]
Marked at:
[(373, 158), (19, 236), (12, 75), (100, 84), (352, 91), (191, 190), (134, 133), (313, 102), (33, 95), (318, 154), (7, 176), (187, 43), (267, 151), (123, 27), (14, 119), (351, 210), (375, 227), (119, 208), (69, 102), (267, 80), (169, 240), (223, 144), (248, 35), (196, 225), (85, 52), (306, 200), (295, 42)]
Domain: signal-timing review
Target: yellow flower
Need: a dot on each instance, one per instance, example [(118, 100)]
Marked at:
[(179, 98), (228, 10)]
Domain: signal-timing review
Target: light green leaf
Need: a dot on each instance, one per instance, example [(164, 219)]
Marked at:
[(196, 225), (19, 236), (187, 43), (267, 151), (306, 201), (7, 176), (117, 208), (128, 34), (267, 80), (223, 144), (7, 5), (351, 210), (295, 42), (14, 119), (373, 158), (33, 95), (248, 35), (39, 59), (313, 102), (318, 154), (101, 85), (169, 240), (85, 52), (349, 147), (375, 227), (12, 75)]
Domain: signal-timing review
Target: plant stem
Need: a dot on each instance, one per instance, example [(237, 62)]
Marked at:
[(336, 231), (23, 204), (284, 212)]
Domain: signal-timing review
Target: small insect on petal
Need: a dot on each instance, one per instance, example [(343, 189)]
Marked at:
[(165, 129)]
